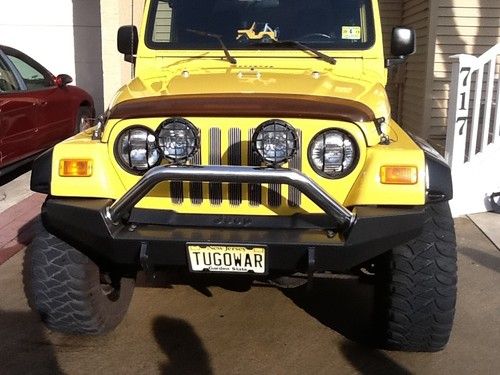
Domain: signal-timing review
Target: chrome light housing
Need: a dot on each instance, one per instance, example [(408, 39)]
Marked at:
[(275, 141), (333, 153), (136, 149), (178, 139)]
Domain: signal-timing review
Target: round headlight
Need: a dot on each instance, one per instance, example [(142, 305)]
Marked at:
[(178, 139), (275, 141), (333, 153), (136, 149)]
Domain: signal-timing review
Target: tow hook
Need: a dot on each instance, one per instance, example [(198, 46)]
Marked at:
[(384, 138), (145, 260), (311, 263)]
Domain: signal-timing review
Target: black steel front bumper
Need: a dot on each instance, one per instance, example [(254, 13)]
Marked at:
[(83, 224), (117, 234)]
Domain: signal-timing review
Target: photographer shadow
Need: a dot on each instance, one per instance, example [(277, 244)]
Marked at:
[(347, 306), (24, 346), (342, 304), (184, 349)]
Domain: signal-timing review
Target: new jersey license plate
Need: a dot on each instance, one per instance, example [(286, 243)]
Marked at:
[(227, 258)]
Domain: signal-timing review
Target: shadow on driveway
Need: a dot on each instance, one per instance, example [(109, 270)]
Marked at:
[(184, 349), (344, 305), (25, 235), (199, 282), (24, 347), (491, 261), (371, 361)]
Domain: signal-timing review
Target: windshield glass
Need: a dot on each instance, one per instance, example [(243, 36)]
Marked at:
[(250, 24)]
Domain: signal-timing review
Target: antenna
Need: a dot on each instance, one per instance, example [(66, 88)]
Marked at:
[(132, 69)]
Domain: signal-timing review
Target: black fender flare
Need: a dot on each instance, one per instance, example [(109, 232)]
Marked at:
[(438, 181), (439, 184), (41, 174)]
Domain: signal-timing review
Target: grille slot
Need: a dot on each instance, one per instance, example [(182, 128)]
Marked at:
[(274, 195), (294, 195), (196, 188), (177, 192), (234, 158), (254, 190), (215, 188)]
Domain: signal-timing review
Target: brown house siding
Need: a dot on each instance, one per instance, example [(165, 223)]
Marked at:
[(416, 15), (391, 12), (410, 84), (463, 26)]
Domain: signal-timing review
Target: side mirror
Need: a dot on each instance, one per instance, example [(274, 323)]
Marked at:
[(403, 44), (63, 80), (127, 41)]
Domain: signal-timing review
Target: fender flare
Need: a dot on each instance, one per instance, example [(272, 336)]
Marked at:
[(439, 184), (41, 174)]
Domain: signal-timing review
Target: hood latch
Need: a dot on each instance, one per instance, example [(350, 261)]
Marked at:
[(384, 138)]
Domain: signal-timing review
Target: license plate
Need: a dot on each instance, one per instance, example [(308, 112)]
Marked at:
[(227, 258)]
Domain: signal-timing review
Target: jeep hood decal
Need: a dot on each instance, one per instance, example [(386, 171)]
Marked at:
[(244, 105)]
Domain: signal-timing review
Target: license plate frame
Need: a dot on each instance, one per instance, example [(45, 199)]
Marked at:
[(254, 249)]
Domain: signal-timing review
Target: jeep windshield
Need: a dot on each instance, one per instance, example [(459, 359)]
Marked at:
[(253, 24)]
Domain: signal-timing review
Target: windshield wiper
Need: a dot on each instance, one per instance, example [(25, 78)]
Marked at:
[(229, 58), (305, 47)]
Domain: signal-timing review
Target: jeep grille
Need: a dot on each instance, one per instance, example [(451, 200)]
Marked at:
[(239, 152)]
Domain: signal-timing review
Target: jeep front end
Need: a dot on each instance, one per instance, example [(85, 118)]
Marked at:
[(260, 159)]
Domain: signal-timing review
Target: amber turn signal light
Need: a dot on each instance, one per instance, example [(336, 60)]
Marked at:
[(399, 175), (75, 168)]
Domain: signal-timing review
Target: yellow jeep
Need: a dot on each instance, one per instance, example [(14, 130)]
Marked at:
[(276, 162)]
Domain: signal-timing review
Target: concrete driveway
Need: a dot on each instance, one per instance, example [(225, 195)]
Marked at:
[(228, 329)]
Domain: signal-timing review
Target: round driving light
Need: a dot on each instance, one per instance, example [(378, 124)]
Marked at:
[(178, 139), (136, 149), (333, 153), (275, 141)]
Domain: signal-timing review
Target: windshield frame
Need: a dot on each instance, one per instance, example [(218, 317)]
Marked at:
[(166, 46)]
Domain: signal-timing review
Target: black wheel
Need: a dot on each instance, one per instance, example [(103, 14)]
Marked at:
[(69, 292), (84, 112), (416, 287)]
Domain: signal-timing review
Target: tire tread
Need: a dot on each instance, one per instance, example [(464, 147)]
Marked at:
[(63, 286), (417, 287)]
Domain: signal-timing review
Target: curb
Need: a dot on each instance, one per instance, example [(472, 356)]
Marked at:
[(17, 226)]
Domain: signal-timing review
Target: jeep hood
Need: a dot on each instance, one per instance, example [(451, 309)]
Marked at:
[(305, 87)]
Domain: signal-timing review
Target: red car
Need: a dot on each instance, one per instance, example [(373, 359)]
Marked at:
[(37, 109)]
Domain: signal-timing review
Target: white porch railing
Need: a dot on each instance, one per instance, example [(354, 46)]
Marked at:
[(473, 139)]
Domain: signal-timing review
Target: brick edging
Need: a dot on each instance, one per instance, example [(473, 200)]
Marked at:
[(16, 226)]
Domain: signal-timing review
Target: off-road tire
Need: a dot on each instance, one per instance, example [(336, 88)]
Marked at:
[(416, 287), (64, 286)]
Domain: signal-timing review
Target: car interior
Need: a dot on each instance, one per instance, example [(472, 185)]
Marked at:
[(7, 81)]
